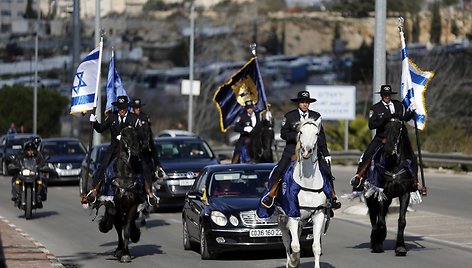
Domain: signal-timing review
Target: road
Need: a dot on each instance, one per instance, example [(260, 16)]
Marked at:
[(438, 232)]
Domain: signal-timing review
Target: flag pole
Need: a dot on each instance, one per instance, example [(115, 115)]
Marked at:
[(97, 88), (423, 189)]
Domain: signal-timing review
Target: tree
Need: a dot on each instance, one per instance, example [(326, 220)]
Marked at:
[(30, 13), (416, 29), (16, 105), (435, 34)]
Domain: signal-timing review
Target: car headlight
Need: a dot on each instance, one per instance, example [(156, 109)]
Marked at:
[(219, 218), (234, 221)]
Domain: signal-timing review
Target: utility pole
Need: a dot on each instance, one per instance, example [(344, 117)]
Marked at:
[(75, 52), (35, 90), (98, 112), (191, 52), (379, 49)]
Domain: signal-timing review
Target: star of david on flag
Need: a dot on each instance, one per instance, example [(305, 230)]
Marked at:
[(114, 86), (414, 82), (85, 83)]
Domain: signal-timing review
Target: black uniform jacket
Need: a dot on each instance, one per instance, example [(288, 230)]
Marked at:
[(289, 133), (380, 115), (112, 122), (244, 121), (145, 121)]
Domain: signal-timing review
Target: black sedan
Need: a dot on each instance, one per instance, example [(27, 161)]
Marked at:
[(220, 212), (10, 146), (96, 156), (182, 158), (64, 156)]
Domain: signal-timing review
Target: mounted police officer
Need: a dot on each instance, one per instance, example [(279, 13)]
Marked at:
[(115, 122), (380, 114), (289, 133), (245, 123), (150, 158)]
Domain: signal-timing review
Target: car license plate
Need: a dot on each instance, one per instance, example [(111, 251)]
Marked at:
[(72, 172), (186, 182), (265, 232)]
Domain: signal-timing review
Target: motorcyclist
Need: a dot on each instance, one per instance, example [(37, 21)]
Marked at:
[(29, 153)]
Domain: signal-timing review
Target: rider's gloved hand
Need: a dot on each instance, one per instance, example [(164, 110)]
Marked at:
[(268, 116), (412, 106), (247, 129), (118, 137), (93, 118), (328, 159)]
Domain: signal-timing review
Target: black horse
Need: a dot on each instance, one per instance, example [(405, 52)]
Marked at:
[(257, 148), (127, 194), (395, 172), (260, 145)]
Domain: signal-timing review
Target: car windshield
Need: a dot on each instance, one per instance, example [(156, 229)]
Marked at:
[(15, 145), (62, 148), (242, 184), (183, 150)]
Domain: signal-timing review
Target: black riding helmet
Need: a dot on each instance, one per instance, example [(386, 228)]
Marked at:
[(36, 141), (29, 145)]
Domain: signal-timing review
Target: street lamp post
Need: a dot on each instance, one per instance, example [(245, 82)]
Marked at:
[(96, 136), (35, 90), (191, 52)]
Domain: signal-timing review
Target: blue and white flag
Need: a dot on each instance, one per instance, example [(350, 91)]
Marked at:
[(86, 82), (114, 85), (413, 85)]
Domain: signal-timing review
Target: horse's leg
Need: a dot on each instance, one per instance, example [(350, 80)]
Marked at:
[(292, 225), (318, 219), (127, 233), (377, 235), (282, 223), (119, 250), (400, 249)]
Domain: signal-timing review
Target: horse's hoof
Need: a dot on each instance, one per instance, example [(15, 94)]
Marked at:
[(118, 253), (400, 251), (125, 259), (377, 249)]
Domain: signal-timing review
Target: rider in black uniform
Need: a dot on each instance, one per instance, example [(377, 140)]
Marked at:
[(150, 158), (245, 123), (289, 134)]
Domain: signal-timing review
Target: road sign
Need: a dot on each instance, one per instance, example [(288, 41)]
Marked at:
[(334, 102)]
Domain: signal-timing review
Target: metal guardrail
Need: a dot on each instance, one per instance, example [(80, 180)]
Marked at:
[(446, 158)]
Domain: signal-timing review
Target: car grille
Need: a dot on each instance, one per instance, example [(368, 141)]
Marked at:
[(249, 218), (182, 175)]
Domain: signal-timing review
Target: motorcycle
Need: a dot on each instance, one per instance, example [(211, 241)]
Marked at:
[(29, 185)]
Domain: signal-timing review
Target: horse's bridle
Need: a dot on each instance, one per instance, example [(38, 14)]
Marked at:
[(395, 149)]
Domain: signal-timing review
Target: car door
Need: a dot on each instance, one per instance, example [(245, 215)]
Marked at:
[(194, 204)]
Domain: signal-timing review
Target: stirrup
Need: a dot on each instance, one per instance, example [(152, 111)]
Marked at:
[(354, 182), (153, 203), (265, 201), (90, 198)]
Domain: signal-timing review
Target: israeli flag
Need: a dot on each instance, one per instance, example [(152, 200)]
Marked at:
[(114, 86), (86, 82), (414, 82)]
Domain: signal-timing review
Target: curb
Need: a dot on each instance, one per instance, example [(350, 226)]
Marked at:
[(51, 258)]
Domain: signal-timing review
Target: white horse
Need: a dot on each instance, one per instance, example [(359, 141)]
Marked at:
[(312, 200)]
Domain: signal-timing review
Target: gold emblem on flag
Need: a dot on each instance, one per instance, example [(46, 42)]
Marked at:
[(245, 90)]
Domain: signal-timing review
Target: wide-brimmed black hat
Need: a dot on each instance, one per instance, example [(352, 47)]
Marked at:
[(136, 103), (386, 90), (303, 96), (248, 104), (121, 102)]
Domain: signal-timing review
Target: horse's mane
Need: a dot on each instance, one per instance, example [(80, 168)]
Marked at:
[(393, 129)]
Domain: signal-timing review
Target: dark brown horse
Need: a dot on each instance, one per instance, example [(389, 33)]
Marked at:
[(127, 194), (257, 148), (394, 176)]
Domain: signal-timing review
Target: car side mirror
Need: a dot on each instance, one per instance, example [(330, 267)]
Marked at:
[(194, 195)]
